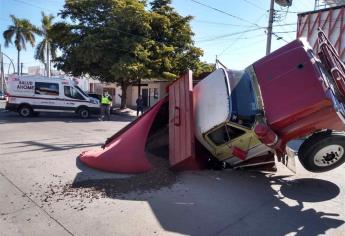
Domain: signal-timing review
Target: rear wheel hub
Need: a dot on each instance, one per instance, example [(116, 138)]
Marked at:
[(329, 155)]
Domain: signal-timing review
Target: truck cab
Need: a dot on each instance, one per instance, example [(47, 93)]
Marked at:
[(289, 94), (225, 121)]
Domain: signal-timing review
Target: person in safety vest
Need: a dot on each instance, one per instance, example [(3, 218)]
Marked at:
[(105, 106)]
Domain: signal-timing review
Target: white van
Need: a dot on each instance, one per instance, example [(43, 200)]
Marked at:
[(28, 95)]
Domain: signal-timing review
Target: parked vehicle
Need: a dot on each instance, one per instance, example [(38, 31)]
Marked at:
[(95, 95), (29, 95)]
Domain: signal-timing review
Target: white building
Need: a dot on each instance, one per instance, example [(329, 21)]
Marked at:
[(40, 70)]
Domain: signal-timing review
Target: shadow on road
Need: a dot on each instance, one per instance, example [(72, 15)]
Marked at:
[(44, 146), (224, 203), (12, 117)]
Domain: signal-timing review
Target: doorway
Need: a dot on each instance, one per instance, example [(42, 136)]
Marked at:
[(145, 95)]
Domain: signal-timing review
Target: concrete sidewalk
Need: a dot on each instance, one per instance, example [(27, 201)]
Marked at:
[(45, 191)]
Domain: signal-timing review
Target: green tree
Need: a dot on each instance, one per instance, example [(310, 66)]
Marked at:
[(175, 51), (22, 31), (203, 69), (121, 41), (46, 48), (106, 39)]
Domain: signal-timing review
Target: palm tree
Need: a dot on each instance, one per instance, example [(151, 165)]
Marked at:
[(45, 48), (23, 32)]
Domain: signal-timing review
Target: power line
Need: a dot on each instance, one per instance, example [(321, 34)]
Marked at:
[(33, 5), (281, 24), (253, 4), (223, 39), (219, 23), (285, 32), (227, 35), (236, 40), (279, 37), (289, 26), (224, 12), (293, 12), (250, 45), (231, 15)]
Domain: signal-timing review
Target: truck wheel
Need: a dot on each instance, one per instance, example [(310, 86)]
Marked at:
[(84, 113), (25, 111), (322, 152)]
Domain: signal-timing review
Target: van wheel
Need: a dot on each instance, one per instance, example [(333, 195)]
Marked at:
[(25, 111), (322, 152), (84, 113)]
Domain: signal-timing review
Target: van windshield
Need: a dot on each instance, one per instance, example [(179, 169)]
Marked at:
[(243, 99), (72, 92), (81, 91)]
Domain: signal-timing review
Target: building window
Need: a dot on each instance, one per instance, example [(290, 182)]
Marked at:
[(43, 88)]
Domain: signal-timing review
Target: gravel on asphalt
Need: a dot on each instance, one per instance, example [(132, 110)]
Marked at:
[(80, 193)]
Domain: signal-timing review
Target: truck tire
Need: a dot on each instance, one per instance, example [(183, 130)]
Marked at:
[(25, 111), (322, 152), (84, 113)]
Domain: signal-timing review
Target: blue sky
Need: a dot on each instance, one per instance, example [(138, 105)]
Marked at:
[(236, 39)]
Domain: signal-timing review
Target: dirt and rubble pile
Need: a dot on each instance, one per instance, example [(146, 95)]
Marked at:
[(79, 193)]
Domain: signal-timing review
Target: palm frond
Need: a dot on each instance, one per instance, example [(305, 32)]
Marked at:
[(53, 49), (8, 34), (22, 41), (29, 37), (14, 19), (40, 51), (22, 30)]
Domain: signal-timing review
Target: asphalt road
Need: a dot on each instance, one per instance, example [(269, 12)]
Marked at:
[(38, 160)]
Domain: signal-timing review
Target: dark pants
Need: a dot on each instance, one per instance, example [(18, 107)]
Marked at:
[(105, 112), (140, 109)]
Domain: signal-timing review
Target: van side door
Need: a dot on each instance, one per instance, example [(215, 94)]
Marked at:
[(47, 96)]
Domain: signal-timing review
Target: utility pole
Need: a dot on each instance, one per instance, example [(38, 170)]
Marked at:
[(269, 28), (2, 70), (48, 59)]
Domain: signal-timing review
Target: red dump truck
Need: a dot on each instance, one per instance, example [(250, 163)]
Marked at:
[(244, 117)]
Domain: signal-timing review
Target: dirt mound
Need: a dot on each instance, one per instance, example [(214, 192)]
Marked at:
[(79, 193)]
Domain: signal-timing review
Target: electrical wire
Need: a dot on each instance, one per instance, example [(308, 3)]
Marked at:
[(253, 4), (231, 15), (236, 40), (33, 5), (226, 35), (285, 32), (219, 23), (224, 12), (226, 39), (250, 44)]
